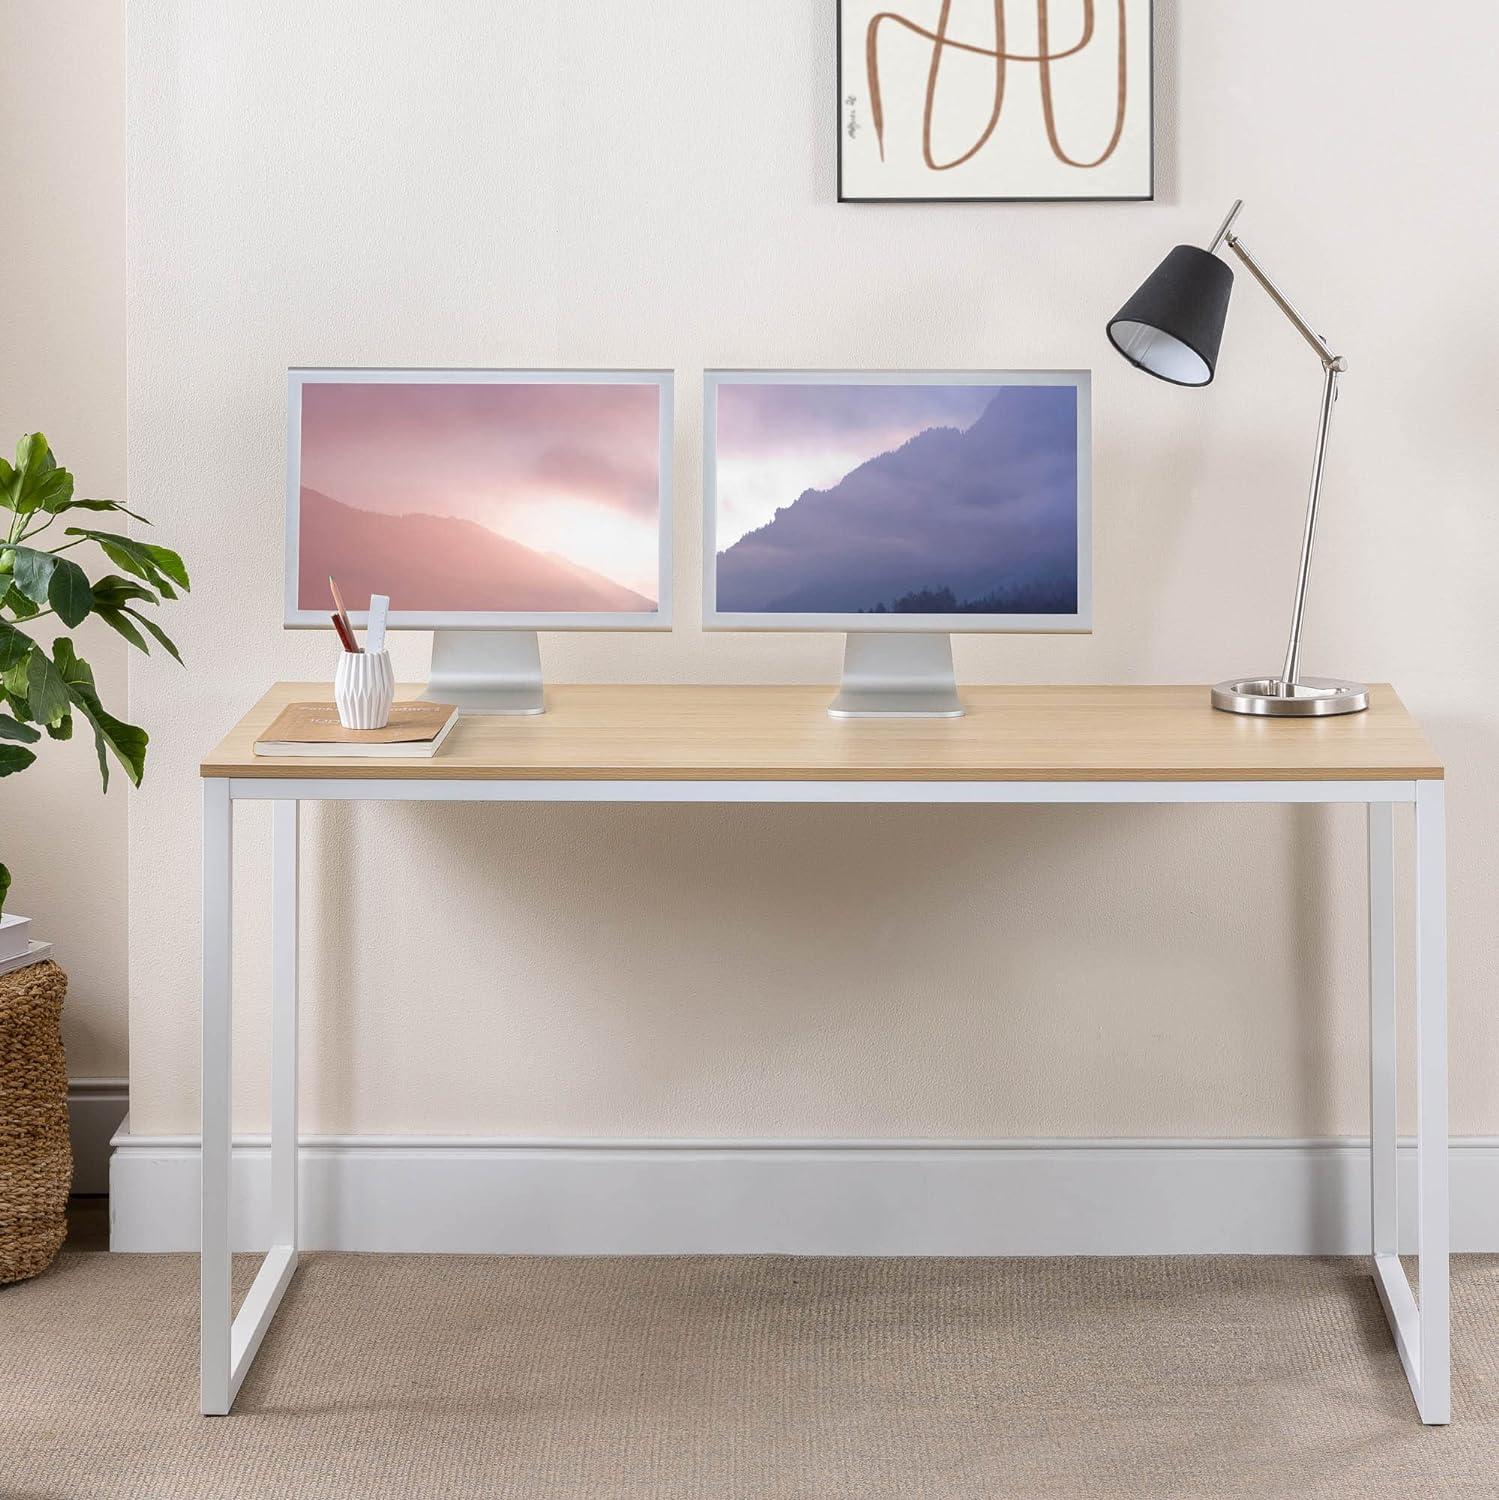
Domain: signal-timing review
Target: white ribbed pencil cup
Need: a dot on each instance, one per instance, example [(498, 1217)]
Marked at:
[(364, 689)]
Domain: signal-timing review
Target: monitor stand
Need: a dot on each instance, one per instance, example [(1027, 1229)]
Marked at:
[(894, 675), (486, 671)]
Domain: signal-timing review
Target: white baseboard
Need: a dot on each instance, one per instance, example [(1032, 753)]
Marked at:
[(96, 1106), (810, 1198)]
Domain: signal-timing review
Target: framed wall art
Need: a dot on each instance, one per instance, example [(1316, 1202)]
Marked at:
[(994, 101)]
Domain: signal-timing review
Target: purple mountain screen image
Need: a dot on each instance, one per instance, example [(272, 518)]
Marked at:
[(971, 514)]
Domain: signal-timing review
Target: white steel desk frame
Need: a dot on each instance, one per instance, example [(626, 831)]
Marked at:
[(229, 1344)]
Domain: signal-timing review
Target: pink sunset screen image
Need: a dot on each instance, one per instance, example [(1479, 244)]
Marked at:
[(483, 497)]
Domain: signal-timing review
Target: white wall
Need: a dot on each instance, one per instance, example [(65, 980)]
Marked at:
[(651, 183), (62, 370)]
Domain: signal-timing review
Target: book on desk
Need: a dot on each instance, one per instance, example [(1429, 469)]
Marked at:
[(416, 730)]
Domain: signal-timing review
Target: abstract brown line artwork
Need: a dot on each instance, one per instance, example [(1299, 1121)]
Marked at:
[(936, 100)]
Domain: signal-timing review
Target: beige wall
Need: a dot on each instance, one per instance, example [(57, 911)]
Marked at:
[(651, 183), (62, 369)]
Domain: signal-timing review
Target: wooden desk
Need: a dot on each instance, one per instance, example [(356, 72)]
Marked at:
[(783, 734), (777, 744)]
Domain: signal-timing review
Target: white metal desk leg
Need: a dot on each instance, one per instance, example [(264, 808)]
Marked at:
[(1434, 1396), (228, 1345), (213, 1257), (1383, 1069), (1422, 1333), (275, 1273), (284, 1029)]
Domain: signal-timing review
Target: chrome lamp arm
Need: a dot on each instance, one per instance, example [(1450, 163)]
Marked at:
[(1333, 365)]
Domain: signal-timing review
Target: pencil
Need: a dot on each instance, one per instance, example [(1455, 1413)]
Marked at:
[(343, 614)]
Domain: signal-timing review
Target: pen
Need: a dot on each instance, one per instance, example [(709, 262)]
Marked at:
[(345, 635)]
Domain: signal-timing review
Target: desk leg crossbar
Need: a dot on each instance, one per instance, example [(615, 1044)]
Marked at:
[(1421, 1330), (229, 1344)]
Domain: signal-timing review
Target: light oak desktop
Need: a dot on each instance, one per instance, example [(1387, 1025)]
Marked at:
[(783, 733)]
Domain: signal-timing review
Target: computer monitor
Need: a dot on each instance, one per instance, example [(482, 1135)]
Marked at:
[(487, 505), (897, 508)]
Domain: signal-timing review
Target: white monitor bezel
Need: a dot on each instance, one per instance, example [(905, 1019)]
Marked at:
[(296, 618), (1079, 622)]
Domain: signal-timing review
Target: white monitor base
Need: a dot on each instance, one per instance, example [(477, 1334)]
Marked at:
[(486, 671), (890, 674)]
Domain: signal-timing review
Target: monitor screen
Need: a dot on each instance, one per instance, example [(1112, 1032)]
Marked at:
[(480, 497), (898, 502)]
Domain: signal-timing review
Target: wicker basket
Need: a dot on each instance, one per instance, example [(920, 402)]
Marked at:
[(36, 1159)]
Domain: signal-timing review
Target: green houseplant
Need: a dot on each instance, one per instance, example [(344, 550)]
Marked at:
[(44, 689)]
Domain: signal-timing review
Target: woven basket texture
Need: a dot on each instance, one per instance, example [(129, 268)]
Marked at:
[(36, 1159)]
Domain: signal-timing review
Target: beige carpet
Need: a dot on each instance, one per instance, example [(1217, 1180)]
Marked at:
[(406, 1376)]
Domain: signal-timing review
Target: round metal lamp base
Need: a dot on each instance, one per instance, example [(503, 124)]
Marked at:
[(1307, 698)]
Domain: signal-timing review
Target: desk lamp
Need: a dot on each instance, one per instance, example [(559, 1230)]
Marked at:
[(1171, 329)]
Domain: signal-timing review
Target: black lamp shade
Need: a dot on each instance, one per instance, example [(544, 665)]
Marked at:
[(1172, 326)]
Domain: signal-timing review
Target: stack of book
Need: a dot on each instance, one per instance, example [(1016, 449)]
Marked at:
[(34, 954)]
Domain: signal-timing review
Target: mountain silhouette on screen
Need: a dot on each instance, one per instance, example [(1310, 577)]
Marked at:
[(982, 521), (440, 564)]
